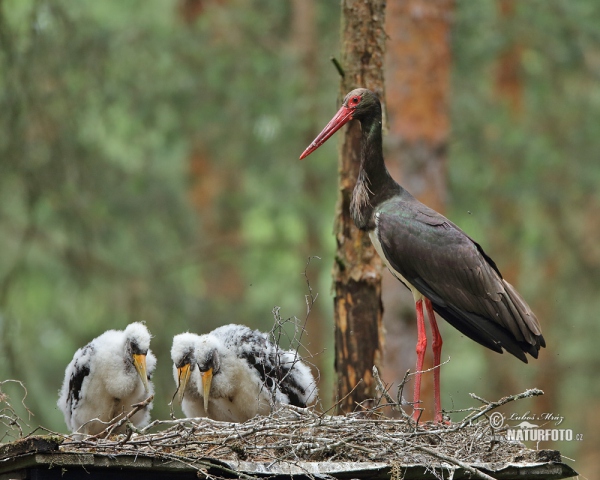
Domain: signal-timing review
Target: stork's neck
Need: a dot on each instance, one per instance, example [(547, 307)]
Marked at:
[(374, 183)]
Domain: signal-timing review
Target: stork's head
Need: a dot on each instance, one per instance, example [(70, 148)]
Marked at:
[(137, 344), (209, 363), (184, 361), (359, 104), (362, 102), (190, 351)]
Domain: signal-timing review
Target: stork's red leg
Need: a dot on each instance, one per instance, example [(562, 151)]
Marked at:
[(421, 346), (437, 357)]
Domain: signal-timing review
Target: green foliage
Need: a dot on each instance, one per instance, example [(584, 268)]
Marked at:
[(102, 105)]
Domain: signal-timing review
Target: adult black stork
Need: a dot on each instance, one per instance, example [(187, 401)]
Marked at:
[(444, 268)]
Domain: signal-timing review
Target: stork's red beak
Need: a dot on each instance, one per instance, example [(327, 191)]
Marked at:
[(343, 116)]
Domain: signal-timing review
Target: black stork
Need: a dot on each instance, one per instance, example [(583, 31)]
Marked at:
[(443, 267)]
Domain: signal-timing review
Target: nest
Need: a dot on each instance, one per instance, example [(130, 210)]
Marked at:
[(294, 436), (299, 442)]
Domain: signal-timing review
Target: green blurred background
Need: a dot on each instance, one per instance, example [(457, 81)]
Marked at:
[(149, 171)]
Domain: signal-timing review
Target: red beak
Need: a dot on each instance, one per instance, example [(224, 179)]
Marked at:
[(343, 116)]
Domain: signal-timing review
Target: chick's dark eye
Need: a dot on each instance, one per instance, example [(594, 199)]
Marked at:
[(203, 368)]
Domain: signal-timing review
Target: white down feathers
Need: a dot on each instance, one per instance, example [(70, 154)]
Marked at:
[(102, 382), (250, 375)]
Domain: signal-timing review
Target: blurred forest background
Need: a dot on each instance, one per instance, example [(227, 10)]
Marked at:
[(149, 171)]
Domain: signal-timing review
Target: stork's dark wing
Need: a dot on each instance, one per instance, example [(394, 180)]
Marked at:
[(462, 282), (79, 370)]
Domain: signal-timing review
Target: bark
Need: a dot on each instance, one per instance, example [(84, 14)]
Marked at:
[(190, 10), (508, 90), (509, 83), (208, 181), (418, 65), (357, 270), (418, 62)]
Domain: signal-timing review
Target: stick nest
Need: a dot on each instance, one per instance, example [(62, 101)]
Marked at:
[(292, 434)]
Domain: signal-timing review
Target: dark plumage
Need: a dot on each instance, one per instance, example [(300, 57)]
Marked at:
[(444, 268), (463, 284)]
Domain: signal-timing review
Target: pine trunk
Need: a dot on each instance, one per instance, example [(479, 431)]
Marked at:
[(357, 270), (509, 92)]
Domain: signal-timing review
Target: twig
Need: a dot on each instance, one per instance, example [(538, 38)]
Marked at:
[(432, 368), (395, 405), (533, 392), (400, 396), (339, 402), (338, 67), (8, 415), (278, 377), (476, 473)]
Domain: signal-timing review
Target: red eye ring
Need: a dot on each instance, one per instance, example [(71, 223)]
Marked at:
[(355, 100)]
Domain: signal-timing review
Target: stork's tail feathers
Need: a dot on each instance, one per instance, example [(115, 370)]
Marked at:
[(510, 325), (526, 320)]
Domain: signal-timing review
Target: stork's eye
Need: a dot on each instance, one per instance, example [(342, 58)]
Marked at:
[(354, 101), (186, 360)]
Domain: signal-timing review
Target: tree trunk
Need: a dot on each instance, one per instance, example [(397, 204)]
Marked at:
[(418, 62), (357, 270), (508, 87), (208, 181), (509, 81)]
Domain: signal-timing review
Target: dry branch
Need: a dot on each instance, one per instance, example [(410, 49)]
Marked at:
[(9, 419)]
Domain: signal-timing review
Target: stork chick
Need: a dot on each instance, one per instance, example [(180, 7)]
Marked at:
[(106, 377), (234, 373)]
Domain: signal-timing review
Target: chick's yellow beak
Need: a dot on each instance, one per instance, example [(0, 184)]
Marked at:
[(183, 374), (206, 382), (139, 361)]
